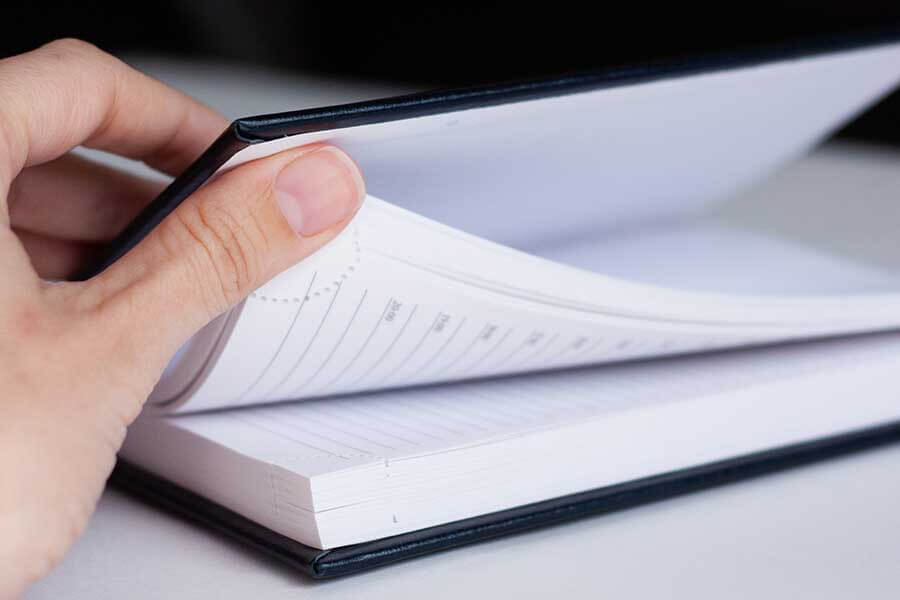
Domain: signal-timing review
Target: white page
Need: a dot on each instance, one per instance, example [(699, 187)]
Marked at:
[(725, 256), (399, 299), (609, 158), (338, 433), (344, 470), (373, 310)]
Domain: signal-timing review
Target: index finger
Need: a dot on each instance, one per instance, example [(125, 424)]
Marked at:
[(70, 93)]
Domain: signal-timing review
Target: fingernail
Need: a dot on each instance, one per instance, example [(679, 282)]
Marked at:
[(318, 190)]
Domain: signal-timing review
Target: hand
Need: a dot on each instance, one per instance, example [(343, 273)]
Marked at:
[(77, 360)]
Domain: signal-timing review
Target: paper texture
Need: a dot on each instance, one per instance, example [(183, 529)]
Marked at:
[(398, 300)]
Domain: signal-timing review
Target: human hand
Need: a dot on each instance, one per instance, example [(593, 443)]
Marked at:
[(78, 359)]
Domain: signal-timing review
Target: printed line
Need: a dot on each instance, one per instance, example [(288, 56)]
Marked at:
[(390, 407), (442, 398), (312, 340), (513, 415), (303, 413), (452, 363), (515, 351), (361, 349), (537, 352), (331, 412), (489, 352), (297, 389), (412, 352), (389, 348), (379, 416), (252, 423), (428, 362), (427, 405), (281, 344), (567, 348), (295, 427), (589, 350), (518, 399)]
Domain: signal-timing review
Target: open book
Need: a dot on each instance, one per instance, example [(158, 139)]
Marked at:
[(451, 347)]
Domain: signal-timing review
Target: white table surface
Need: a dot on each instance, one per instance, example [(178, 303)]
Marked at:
[(831, 530)]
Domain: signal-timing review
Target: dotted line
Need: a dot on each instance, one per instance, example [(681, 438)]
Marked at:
[(328, 287)]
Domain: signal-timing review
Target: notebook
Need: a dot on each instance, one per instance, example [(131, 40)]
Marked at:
[(547, 307)]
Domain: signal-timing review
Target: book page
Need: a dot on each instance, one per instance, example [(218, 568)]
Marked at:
[(608, 159), (399, 300), (608, 180), (328, 435), (339, 471)]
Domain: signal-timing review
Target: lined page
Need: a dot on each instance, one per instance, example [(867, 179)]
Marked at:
[(399, 300), (326, 435)]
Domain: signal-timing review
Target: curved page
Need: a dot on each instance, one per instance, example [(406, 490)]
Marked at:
[(399, 300)]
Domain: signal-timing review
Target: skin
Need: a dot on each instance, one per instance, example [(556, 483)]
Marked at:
[(80, 358)]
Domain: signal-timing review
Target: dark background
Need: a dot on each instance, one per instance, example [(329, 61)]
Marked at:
[(429, 44)]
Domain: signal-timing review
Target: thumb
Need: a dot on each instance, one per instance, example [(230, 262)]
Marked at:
[(229, 238)]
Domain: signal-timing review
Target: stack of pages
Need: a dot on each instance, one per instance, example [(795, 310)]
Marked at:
[(553, 293)]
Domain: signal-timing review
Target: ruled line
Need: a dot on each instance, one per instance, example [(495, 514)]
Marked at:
[(312, 340), (365, 423), (379, 416), (342, 431), (485, 356), (337, 344), (452, 363), (362, 348), (537, 352), (567, 348), (390, 408), (295, 426), (389, 348), (236, 415), (428, 362), (411, 352), (281, 344), (515, 351), (430, 408)]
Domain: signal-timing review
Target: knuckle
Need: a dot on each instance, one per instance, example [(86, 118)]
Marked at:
[(71, 55), (64, 48), (230, 250)]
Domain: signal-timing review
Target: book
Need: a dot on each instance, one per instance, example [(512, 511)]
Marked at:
[(547, 305)]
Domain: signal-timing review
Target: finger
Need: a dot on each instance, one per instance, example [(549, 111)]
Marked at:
[(68, 93), (76, 199), (229, 238), (19, 278), (53, 258)]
